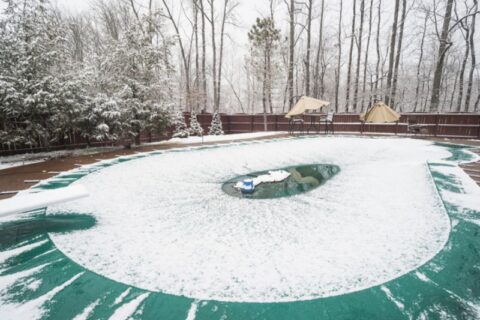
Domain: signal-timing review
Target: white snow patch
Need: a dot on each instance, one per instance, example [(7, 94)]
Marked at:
[(5, 255), (192, 312), (470, 196), (272, 176), (122, 296), (128, 309), (422, 277), (6, 281), (226, 137), (164, 223), (392, 298), (32, 309), (87, 311), (34, 285)]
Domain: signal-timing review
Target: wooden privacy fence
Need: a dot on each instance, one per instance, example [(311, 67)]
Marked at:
[(448, 125)]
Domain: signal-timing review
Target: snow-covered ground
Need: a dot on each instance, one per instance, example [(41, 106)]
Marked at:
[(164, 223), (30, 158), (227, 137)]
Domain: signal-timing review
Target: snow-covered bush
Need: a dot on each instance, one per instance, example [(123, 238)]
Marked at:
[(216, 125), (54, 87), (181, 130), (195, 127)]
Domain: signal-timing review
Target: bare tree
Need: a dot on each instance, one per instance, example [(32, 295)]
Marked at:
[(473, 59), (204, 58), (350, 56), (391, 61), (466, 29), (339, 59), (291, 52), (365, 64), (197, 56), (183, 52), (398, 54), (317, 92), (309, 5), (420, 60), (359, 55), (226, 12), (214, 55), (379, 57), (445, 44)]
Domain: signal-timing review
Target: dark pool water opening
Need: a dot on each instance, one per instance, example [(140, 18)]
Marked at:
[(302, 179)]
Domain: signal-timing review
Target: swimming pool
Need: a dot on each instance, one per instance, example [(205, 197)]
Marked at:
[(391, 235)]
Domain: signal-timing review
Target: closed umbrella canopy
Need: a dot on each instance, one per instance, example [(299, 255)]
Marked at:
[(306, 103), (380, 113)]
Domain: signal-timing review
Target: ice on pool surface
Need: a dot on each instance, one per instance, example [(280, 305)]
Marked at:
[(164, 223)]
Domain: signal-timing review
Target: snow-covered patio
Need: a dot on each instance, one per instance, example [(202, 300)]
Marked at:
[(386, 229)]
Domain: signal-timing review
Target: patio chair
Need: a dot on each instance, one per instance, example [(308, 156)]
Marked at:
[(415, 127), (328, 121), (296, 122)]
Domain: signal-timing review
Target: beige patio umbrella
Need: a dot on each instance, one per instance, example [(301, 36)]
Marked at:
[(380, 113), (306, 103)]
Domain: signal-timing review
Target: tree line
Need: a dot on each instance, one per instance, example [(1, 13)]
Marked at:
[(124, 66)]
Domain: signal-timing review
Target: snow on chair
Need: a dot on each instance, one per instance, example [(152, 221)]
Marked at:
[(328, 121)]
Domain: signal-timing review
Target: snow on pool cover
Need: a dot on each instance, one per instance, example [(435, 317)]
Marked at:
[(164, 224)]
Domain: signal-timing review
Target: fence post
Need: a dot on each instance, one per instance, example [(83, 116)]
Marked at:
[(436, 125), (251, 123), (478, 129), (227, 117)]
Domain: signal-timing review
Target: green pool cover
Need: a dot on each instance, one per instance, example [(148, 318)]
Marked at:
[(37, 275)]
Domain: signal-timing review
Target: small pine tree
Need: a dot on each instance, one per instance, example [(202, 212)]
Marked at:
[(216, 126), (181, 130), (195, 127)]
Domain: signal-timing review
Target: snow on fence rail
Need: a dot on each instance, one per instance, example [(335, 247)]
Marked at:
[(454, 125)]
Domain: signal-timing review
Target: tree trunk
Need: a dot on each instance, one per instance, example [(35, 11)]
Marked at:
[(420, 60), (214, 56), (391, 61), (379, 55), (359, 55), (309, 47), (453, 91), (473, 59), (399, 53), (350, 55), (264, 90), (462, 68), (197, 57), (475, 109), (442, 50), (291, 55), (204, 58), (269, 77), (339, 60), (365, 64), (220, 59), (185, 58), (316, 86)]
